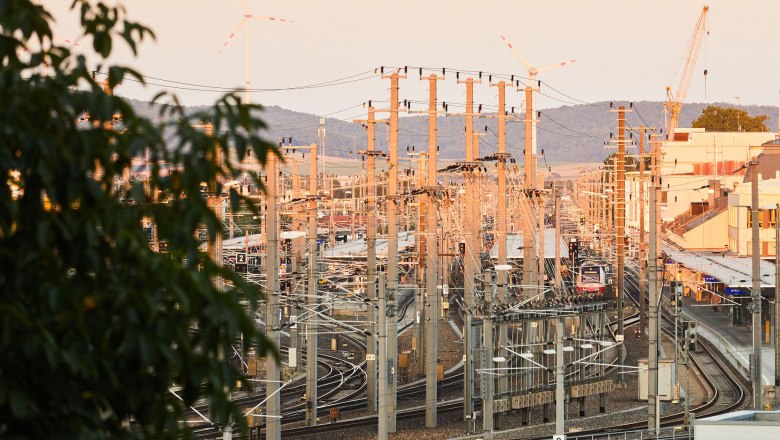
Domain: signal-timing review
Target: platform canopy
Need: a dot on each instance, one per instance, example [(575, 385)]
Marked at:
[(730, 270)]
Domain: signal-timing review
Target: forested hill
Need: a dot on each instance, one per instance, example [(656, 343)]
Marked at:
[(566, 134)]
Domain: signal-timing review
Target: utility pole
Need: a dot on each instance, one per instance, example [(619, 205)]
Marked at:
[(433, 300), (273, 403), (371, 291), (385, 402), (487, 370), (422, 250), (755, 305), (777, 304), (558, 282), (297, 243), (559, 379), (312, 302), (541, 261), (620, 220), (642, 245), (653, 402), (214, 246), (530, 183), (501, 235), (469, 259), (392, 242)]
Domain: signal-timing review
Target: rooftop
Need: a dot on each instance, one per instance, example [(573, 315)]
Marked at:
[(730, 270)]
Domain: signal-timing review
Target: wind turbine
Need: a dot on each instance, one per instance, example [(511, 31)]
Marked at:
[(533, 71), (246, 19)]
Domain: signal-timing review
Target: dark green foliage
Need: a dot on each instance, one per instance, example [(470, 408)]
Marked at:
[(94, 326), (715, 118)]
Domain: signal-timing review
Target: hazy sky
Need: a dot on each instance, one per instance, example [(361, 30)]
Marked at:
[(625, 50)]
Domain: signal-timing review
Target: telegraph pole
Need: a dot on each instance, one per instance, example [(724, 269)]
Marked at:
[(487, 370), (777, 304), (392, 243), (653, 402), (755, 305), (559, 378), (642, 245), (558, 282), (214, 246), (433, 300), (273, 398), (385, 401), (311, 297), (371, 291), (469, 259), (620, 220), (501, 233), (530, 181)]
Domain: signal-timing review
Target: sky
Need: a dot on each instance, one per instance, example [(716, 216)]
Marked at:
[(627, 50)]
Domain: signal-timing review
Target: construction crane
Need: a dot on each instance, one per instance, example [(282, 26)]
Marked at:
[(675, 101)]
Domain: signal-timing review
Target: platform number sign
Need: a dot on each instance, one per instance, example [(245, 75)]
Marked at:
[(241, 258)]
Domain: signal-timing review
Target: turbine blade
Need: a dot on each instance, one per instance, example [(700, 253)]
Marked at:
[(555, 66), (517, 54), (232, 35), (266, 18)]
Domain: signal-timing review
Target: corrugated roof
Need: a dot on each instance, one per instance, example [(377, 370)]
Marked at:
[(514, 245), (730, 270)]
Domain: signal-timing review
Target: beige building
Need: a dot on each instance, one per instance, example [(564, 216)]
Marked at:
[(696, 157), (739, 212)]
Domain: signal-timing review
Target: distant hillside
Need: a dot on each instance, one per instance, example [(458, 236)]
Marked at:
[(566, 134)]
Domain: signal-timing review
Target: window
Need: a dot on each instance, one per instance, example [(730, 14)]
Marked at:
[(767, 218)]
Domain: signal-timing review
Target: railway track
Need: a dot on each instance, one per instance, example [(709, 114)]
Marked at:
[(339, 374), (727, 391)]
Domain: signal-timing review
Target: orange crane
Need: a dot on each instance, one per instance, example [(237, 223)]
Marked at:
[(675, 102)]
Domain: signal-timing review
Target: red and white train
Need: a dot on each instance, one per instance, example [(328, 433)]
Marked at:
[(592, 277)]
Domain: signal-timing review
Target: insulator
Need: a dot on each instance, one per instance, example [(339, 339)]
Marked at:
[(611, 105), (705, 72), (480, 75), (369, 103), (405, 70), (382, 69), (479, 108), (490, 78), (630, 105), (457, 75), (420, 72)]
